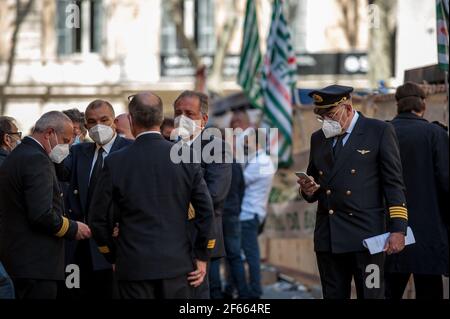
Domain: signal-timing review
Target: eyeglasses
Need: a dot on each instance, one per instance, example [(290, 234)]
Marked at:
[(15, 133), (322, 118), (329, 115)]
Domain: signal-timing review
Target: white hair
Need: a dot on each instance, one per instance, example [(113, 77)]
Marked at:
[(52, 119)]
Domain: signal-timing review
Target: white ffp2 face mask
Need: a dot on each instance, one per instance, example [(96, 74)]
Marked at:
[(331, 128), (59, 152), (101, 134), (186, 127)]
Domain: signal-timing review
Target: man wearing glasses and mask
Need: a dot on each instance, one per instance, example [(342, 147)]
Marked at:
[(355, 174), (9, 136)]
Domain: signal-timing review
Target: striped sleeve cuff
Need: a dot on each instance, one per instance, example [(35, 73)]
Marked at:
[(398, 212), (191, 212), (398, 221), (104, 249), (64, 228)]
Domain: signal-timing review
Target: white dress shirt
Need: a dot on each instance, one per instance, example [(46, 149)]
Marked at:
[(106, 150), (349, 130), (258, 177), (148, 132)]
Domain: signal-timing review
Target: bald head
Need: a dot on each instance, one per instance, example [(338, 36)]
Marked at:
[(123, 127), (146, 110)]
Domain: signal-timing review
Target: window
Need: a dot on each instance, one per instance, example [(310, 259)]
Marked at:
[(198, 25), (85, 38), (204, 31)]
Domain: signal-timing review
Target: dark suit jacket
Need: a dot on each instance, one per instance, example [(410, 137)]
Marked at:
[(217, 174), (233, 202), (32, 218), (424, 154), (359, 188), (75, 170), (151, 194), (3, 155)]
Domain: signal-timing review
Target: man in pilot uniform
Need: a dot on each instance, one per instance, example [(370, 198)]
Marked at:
[(355, 174)]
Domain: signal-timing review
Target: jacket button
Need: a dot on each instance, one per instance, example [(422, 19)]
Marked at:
[(61, 195), (320, 173), (331, 212), (350, 214), (353, 171), (328, 192), (348, 193), (75, 191), (70, 210)]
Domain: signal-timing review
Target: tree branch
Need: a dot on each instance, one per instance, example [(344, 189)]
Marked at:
[(21, 14), (223, 44), (188, 44)]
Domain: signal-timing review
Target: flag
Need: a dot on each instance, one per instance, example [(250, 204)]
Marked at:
[(278, 83), (251, 58), (442, 13)]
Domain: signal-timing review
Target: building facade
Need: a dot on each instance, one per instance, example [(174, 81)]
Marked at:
[(69, 52)]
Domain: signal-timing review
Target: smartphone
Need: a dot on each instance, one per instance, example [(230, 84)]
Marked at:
[(303, 175)]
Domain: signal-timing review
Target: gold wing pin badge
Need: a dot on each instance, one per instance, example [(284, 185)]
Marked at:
[(363, 152)]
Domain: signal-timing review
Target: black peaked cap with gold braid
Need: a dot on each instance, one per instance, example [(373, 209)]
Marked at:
[(330, 96)]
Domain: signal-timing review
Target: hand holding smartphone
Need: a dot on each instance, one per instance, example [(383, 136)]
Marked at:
[(307, 184), (303, 176)]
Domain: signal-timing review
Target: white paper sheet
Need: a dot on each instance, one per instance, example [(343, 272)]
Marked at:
[(376, 244)]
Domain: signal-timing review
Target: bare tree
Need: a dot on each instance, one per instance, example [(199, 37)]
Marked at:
[(381, 30), (223, 44), (176, 11), (22, 11), (350, 20), (213, 82)]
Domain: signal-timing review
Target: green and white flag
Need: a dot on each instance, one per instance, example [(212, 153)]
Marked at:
[(278, 84), (251, 58), (442, 27)]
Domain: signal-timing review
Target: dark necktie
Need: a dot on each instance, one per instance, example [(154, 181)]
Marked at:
[(339, 145), (95, 175)]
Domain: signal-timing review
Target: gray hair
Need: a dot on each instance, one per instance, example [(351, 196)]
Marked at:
[(202, 99), (52, 119)]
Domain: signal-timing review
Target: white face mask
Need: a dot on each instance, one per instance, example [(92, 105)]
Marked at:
[(186, 127), (101, 134), (331, 128), (59, 152)]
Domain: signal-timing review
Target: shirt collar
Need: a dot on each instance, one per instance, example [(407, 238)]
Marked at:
[(148, 132), (107, 147), (352, 123)]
